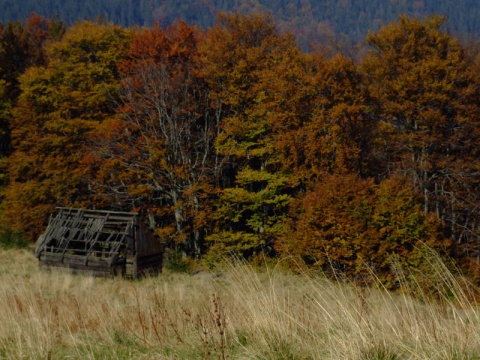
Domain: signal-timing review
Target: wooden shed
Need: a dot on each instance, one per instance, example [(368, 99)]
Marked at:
[(101, 243)]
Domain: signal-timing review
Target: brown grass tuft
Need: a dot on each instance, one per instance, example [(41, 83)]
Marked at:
[(243, 314)]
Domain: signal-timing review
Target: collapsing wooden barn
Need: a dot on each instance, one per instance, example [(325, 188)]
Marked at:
[(102, 243)]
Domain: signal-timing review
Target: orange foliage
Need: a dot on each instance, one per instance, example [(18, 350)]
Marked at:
[(159, 153), (352, 226), (60, 104), (425, 98), (234, 139)]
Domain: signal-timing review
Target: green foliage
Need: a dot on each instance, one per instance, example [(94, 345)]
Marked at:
[(12, 239), (246, 60), (177, 261), (379, 352)]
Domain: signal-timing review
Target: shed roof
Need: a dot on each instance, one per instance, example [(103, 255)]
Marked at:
[(85, 232)]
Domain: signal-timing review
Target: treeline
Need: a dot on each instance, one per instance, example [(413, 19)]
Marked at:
[(236, 142), (311, 21)]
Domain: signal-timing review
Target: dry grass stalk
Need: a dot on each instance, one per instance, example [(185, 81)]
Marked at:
[(245, 314)]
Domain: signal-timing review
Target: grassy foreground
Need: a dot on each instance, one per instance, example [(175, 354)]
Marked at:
[(243, 314)]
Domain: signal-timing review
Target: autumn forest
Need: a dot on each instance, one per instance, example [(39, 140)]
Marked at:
[(236, 142)]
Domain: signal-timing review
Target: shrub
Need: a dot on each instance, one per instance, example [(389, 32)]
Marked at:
[(12, 239)]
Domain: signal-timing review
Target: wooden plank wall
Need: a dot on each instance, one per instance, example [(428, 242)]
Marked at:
[(111, 228)]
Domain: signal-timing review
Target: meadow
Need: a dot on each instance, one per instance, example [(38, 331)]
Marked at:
[(240, 312)]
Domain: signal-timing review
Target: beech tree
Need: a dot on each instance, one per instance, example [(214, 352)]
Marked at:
[(348, 226), (426, 106), (59, 105), (258, 80), (21, 46), (160, 153), (337, 136), (235, 141)]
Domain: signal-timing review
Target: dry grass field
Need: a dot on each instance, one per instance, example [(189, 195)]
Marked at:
[(245, 313)]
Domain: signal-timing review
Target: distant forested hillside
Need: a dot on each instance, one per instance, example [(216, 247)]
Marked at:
[(311, 21)]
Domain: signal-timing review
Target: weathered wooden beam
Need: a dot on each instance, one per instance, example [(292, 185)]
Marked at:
[(88, 211), (92, 240)]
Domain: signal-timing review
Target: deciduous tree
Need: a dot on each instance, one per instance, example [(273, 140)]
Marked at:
[(348, 226), (258, 80), (60, 104), (21, 46), (160, 154), (337, 138), (427, 109)]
